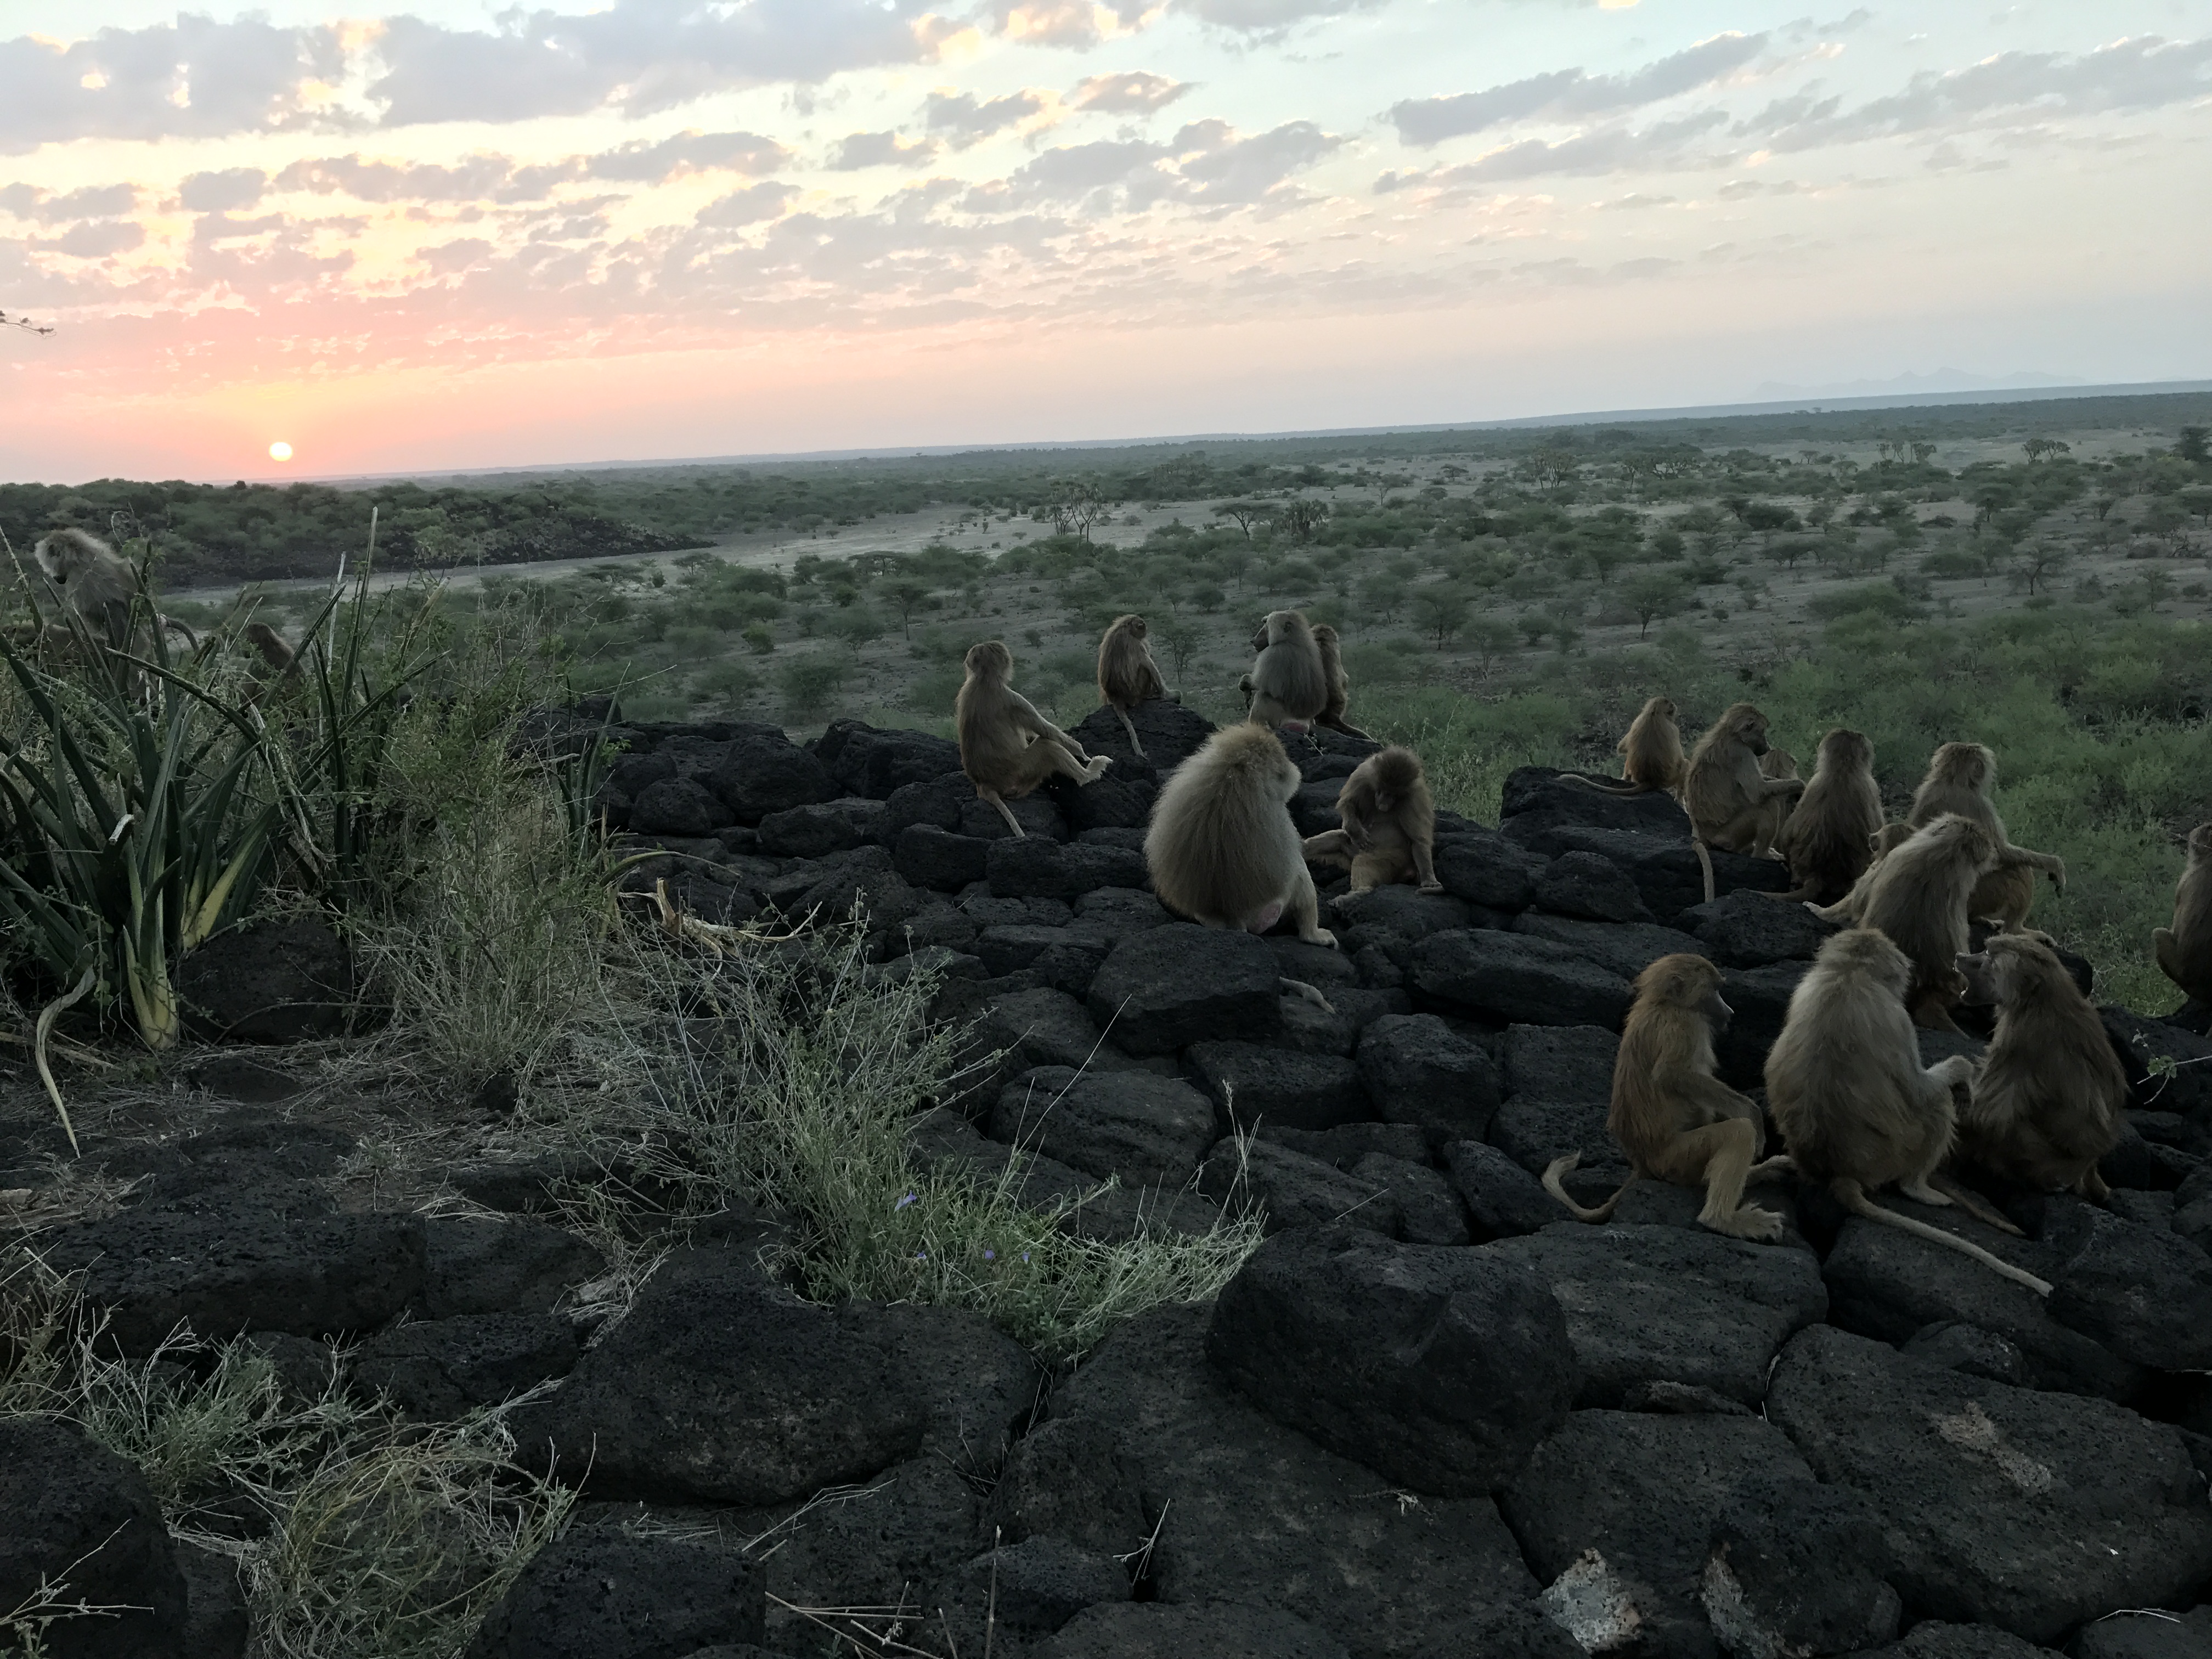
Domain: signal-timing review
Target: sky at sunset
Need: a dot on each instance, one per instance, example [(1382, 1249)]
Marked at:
[(464, 234)]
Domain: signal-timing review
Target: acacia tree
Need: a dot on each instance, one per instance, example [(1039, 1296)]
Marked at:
[(1302, 517), (25, 323), (1443, 610), (1247, 514), (1652, 594)]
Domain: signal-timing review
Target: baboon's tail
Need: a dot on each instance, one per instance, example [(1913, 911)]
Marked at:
[(1705, 863), (1609, 786), (1348, 730), (1559, 1167), (1852, 1197), (1131, 730)]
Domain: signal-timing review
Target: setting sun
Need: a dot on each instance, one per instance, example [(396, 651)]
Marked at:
[(280, 451)]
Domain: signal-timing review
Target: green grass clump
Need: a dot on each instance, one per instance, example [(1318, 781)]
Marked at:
[(386, 1540), (799, 1092)]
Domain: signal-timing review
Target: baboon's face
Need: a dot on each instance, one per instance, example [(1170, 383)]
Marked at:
[(1137, 629), (2200, 842), (1985, 977), (1661, 708), (1750, 733)]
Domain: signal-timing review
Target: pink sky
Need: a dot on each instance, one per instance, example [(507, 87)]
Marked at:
[(463, 236)]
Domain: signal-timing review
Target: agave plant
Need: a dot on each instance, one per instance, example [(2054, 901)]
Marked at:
[(146, 803)]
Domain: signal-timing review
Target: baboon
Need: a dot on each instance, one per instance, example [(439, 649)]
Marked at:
[(1389, 822), (98, 592), (1007, 748), (1650, 754), (1917, 898), (1727, 798), (279, 656), (1288, 684), (1221, 847), (92, 581), (1849, 908), (1855, 1107), (2185, 949), (1340, 686), (1127, 673), (1829, 839), (1674, 1118), (1959, 777), (2048, 1103)]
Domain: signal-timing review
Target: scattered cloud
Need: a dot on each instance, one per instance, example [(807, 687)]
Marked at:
[(1207, 162), (192, 78), (880, 149), (1264, 17), (1132, 92), (748, 206), (1575, 94), (222, 193), (91, 201), (1662, 147), (634, 55), (2126, 76), (961, 120)]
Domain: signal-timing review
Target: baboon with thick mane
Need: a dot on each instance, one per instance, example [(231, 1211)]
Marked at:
[(1918, 897), (1829, 839), (2049, 1101), (1339, 684), (1727, 796), (1288, 683), (1007, 748), (1390, 824), (1127, 673), (1959, 776), (2185, 949), (1222, 849), (1651, 761), (1856, 1109), (1674, 1118)]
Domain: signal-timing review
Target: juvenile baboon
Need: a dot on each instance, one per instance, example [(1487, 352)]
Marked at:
[(92, 582), (1959, 777), (1727, 796), (279, 656), (1851, 906), (1221, 847), (1289, 686), (1674, 1118), (2048, 1103), (1007, 748), (1339, 684), (1855, 1107), (1917, 898), (1651, 760), (1127, 673), (1829, 839), (2185, 949), (1389, 822)]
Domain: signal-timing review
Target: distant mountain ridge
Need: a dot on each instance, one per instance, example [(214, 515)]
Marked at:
[(1942, 380)]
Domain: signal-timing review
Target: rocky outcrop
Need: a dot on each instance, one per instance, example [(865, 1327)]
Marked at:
[(1430, 1417)]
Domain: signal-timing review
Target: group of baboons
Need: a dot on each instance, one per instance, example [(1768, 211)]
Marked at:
[(1856, 1110)]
